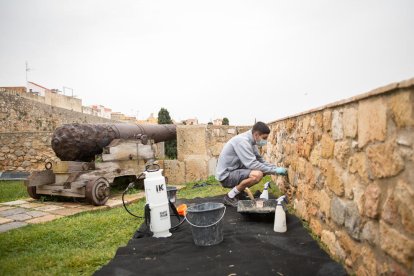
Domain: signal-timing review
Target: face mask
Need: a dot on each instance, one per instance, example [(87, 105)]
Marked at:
[(261, 142)]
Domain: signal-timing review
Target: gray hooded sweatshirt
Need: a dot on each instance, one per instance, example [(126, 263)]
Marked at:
[(241, 152)]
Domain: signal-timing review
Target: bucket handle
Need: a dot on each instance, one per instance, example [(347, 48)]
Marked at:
[(199, 226)]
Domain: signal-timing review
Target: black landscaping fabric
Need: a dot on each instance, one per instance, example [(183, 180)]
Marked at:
[(250, 247)]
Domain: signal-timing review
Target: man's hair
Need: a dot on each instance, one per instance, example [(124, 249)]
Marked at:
[(261, 127)]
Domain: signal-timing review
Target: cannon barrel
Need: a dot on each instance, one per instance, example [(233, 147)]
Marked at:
[(81, 142)]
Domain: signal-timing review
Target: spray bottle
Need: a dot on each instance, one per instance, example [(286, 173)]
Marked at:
[(280, 216), (265, 193)]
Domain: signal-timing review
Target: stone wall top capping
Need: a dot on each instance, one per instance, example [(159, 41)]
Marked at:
[(20, 114), (406, 83), (380, 90)]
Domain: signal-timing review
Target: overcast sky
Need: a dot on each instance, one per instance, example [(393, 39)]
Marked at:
[(207, 59)]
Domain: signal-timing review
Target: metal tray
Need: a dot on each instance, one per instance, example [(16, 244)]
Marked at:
[(257, 206)]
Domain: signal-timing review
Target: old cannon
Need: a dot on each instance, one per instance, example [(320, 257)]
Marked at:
[(123, 150)]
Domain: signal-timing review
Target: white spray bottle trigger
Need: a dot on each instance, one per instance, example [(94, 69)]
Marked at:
[(281, 199)]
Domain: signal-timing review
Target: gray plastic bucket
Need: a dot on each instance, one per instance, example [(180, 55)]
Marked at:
[(206, 222), (172, 193)]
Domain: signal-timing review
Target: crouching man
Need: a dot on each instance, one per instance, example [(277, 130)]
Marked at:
[(240, 165)]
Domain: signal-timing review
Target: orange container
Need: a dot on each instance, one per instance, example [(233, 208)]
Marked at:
[(182, 209)]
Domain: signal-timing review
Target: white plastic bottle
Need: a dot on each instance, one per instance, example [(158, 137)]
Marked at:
[(157, 199), (280, 217), (265, 193)]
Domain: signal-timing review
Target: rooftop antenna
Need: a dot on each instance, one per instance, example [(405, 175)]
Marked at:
[(27, 70)]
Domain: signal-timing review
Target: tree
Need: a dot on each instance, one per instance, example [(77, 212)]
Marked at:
[(170, 146), (225, 121), (164, 117)]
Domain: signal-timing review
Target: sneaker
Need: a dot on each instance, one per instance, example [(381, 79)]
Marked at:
[(230, 201), (242, 196)]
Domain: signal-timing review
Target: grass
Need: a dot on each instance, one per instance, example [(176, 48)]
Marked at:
[(12, 190), (78, 244), (82, 243), (315, 237), (216, 189)]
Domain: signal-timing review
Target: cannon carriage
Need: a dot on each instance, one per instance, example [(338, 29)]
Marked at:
[(124, 150)]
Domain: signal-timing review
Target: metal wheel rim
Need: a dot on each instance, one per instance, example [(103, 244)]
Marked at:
[(100, 190)]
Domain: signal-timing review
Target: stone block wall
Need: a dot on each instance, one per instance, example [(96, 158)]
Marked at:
[(26, 128), (18, 114), (198, 147), (25, 151), (49, 98), (351, 177)]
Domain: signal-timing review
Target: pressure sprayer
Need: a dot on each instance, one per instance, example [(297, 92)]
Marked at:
[(157, 200), (280, 215), (157, 208)]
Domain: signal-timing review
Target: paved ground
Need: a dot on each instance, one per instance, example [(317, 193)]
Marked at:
[(15, 214)]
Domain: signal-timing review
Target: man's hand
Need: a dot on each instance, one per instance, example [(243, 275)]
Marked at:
[(281, 171)]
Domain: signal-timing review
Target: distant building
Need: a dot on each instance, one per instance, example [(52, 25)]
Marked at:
[(151, 120), (37, 89), (39, 93), (13, 89), (130, 119), (117, 116), (89, 110), (106, 113), (193, 121), (52, 97), (218, 122), (102, 111)]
